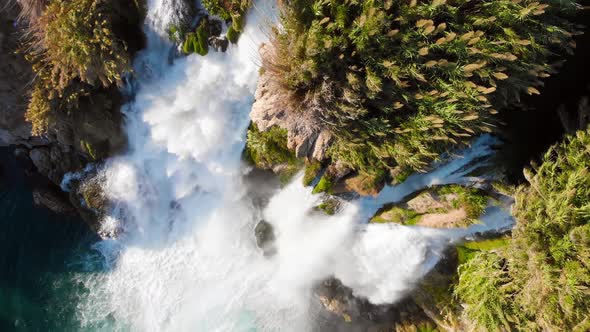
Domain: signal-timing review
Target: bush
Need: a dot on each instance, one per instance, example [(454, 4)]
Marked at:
[(232, 11), (544, 273), (399, 82), (267, 149), (74, 51)]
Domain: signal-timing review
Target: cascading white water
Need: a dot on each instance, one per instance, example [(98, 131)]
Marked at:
[(187, 260)]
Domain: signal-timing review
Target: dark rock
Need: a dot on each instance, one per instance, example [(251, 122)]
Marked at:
[(339, 300), (214, 26), (219, 44), (265, 238), (53, 200)]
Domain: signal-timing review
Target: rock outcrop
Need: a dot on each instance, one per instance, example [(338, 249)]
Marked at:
[(15, 79), (306, 137), (53, 200)]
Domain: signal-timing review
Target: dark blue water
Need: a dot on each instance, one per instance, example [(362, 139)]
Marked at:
[(41, 257)]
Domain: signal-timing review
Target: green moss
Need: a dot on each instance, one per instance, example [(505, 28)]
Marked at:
[(89, 149), (312, 170), (324, 186), (287, 174), (472, 200), (487, 245), (397, 215), (232, 35), (328, 206), (196, 42), (267, 149)]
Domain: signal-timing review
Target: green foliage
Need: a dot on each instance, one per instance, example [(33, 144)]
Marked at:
[(232, 35), (329, 206), (232, 11), (324, 186), (398, 82), (472, 200), (312, 170), (540, 281), (269, 148), (89, 149), (483, 283), (79, 43), (196, 42), (398, 215), (73, 49)]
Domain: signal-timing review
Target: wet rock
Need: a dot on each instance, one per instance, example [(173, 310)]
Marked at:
[(265, 237), (424, 203), (306, 135), (53, 200), (219, 44), (339, 300), (214, 26)]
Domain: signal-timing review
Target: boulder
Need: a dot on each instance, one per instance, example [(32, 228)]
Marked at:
[(219, 44), (265, 237), (53, 200)]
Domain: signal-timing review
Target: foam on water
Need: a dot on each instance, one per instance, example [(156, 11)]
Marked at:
[(187, 260)]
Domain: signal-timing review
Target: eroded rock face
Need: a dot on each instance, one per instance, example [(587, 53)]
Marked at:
[(265, 237), (306, 136), (15, 78), (53, 200)]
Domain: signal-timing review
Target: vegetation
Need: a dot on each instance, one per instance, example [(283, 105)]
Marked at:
[(74, 49), (312, 170), (539, 282), (398, 82), (324, 186), (269, 148), (233, 11), (398, 215), (196, 42), (329, 206), (472, 200)]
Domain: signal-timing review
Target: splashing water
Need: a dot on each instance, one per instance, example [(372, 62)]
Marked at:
[(188, 260)]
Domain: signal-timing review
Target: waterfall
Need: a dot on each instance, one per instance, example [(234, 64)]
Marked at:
[(187, 259)]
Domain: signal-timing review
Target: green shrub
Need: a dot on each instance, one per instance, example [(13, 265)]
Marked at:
[(398, 82), (74, 50), (324, 185), (540, 281), (269, 148)]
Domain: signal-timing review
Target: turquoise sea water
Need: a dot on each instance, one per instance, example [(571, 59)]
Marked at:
[(41, 256)]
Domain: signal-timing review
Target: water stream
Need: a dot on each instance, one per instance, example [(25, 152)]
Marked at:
[(187, 259)]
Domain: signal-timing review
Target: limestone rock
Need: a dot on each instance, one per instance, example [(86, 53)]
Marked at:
[(424, 203), (306, 135)]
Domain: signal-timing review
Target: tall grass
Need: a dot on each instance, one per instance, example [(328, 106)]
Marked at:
[(541, 281), (398, 82)]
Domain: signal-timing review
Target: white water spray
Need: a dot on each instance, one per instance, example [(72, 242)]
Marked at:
[(188, 260)]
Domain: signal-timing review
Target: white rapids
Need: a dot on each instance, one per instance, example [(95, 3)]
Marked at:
[(188, 260)]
